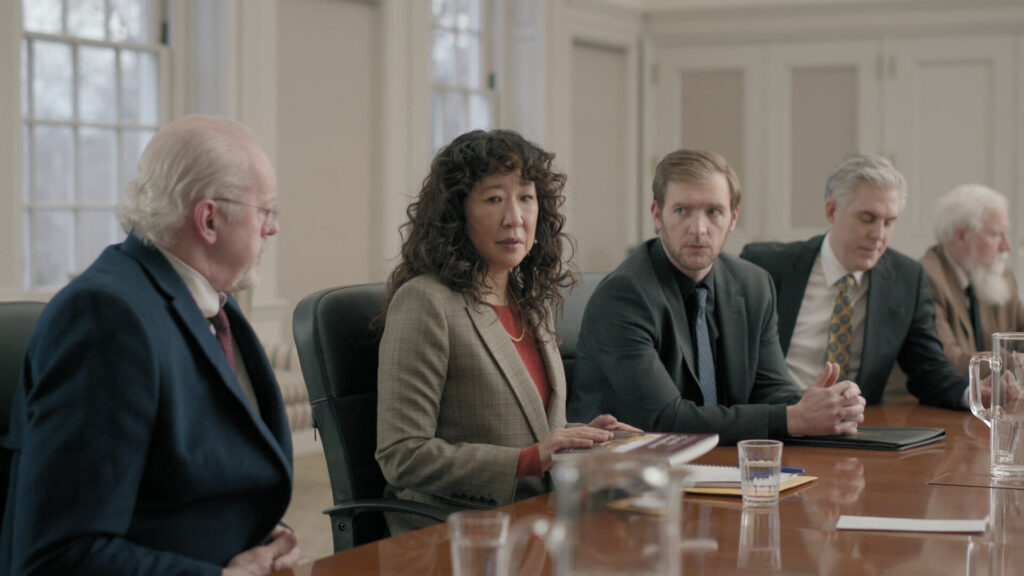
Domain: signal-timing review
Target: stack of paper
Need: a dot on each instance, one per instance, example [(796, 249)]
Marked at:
[(725, 480)]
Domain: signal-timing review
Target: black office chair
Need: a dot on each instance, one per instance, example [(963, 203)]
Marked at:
[(18, 319), (338, 355), (568, 327)]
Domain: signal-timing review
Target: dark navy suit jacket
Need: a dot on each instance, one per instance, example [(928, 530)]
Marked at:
[(899, 323), (135, 449), (635, 357)]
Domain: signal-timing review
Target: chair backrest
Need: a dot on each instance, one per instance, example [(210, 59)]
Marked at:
[(17, 319), (338, 355), (568, 327)]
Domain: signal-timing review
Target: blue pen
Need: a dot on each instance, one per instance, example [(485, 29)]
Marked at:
[(790, 470)]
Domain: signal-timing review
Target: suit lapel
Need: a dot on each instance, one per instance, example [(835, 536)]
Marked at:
[(556, 379), (961, 316), (880, 298), (271, 421), (730, 306), (196, 327), (501, 348), (790, 285), (670, 290)]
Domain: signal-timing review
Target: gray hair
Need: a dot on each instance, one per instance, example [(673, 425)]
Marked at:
[(857, 169), (965, 206), (190, 159)]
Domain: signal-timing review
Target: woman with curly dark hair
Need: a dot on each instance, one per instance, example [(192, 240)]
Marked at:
[(471, 401)]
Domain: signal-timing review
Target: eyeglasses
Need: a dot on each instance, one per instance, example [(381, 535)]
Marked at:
[(270, 215)]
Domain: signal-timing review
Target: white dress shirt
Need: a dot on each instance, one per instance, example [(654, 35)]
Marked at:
[(808, 346), (210, 302)]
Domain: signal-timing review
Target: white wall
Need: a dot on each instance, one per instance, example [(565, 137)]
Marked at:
[(346, 117), (328, 88)]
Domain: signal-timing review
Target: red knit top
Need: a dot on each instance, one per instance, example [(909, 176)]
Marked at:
[(529, 457)]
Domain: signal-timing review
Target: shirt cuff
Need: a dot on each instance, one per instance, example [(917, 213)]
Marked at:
[(529, 462)]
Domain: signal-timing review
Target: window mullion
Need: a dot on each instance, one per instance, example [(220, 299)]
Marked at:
[(84, 208)]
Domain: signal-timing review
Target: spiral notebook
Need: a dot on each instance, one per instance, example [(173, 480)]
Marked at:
[(725, 480)]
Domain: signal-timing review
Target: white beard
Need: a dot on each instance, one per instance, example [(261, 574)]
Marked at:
[(989, 284), (248, 280)]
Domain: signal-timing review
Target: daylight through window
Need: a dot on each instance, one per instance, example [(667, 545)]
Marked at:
[(91, 100)]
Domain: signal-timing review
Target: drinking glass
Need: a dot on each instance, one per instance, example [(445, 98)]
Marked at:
[(478, 543), (760, 464)]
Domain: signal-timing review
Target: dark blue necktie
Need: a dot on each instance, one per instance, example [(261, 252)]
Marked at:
[(975, 312), (705, 360)]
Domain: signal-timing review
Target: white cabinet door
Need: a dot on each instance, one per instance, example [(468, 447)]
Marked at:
[(714, 98), (949, 120), (824, 103)]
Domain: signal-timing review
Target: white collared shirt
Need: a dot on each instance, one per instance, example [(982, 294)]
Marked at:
[(807, 348), (210, 302)]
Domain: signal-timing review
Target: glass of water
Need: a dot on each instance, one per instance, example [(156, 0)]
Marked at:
[(478, 542), (760, 462)]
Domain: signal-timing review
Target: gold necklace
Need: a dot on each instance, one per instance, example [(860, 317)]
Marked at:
[(511, 337), (521, 336)]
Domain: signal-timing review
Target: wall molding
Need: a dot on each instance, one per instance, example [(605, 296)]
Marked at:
[(847, 21)]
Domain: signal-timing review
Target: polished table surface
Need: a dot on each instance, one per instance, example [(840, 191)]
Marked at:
[(852, 482)]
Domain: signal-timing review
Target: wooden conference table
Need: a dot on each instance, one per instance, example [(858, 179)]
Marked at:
[(945, 480)]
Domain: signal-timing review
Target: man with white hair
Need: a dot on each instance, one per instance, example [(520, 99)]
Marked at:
[(975, 293), (147, 429)]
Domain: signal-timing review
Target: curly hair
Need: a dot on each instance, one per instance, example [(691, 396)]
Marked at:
[(434, 240)]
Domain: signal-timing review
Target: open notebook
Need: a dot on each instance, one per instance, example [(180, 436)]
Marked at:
[(725, 480)]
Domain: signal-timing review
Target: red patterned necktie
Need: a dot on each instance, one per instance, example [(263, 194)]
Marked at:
[(223, 329)]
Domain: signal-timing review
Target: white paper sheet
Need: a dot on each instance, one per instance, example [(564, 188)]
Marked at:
[(908, 524)]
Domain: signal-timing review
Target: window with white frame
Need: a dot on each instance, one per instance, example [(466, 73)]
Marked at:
[(463, 79), (91, 99)]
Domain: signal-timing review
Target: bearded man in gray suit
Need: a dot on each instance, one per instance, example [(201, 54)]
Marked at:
[(682, 338)]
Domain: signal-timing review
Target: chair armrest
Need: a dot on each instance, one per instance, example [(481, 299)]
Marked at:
[(353, 507)]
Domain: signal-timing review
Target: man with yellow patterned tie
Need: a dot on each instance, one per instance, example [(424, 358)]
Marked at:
[(846, 297)]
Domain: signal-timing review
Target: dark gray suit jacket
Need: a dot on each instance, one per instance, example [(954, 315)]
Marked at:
[(899, 325), (636, 359)]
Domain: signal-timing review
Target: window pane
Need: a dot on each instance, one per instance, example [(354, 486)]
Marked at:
[(50, 234), (438, 136), (53, 176), (85, 19), (469, 15), (454, 116), (444, 57), (467, 49), (26, 162), (444, 13), (132, 144), (139, 83), (128, 20), (51, 79), (97, 84), (24, 77), (97, 149), (95, 231), (479, 112), (42, 16)]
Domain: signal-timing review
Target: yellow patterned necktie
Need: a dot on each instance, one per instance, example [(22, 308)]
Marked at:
[(840, 328)]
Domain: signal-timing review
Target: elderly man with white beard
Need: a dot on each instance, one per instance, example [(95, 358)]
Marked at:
[(975, 293)]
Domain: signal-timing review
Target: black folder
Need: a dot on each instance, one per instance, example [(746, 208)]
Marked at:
[(875, 438)]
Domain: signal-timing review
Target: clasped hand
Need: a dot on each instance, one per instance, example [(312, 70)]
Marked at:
[(282, 551), (828, 406)]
